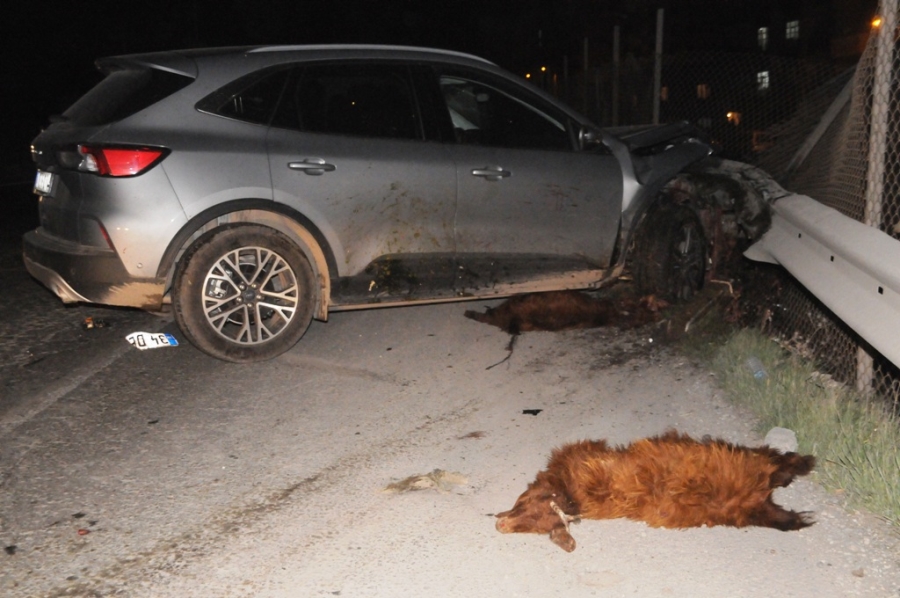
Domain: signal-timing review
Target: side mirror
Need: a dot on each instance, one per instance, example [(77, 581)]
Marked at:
[(589, 137)]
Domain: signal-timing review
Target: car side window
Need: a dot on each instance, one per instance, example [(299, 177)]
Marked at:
[(367, 100), (252, 98), (485, 115)]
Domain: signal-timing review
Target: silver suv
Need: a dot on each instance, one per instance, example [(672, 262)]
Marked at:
[(258, 188)]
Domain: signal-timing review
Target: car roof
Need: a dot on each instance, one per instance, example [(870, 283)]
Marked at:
[(405, 51), (186, 61)]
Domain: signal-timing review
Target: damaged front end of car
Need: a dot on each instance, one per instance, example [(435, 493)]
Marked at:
[(675, 186)]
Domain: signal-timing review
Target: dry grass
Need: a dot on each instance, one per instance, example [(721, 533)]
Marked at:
[(856, 441)]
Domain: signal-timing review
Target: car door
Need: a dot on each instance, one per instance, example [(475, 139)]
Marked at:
[(526, 196), (347, 150)]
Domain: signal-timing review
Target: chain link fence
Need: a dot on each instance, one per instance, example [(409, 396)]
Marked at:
[(850, 161), (820, 130), (737, 99)]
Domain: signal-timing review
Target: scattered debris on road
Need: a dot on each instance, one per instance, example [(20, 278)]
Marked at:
[(440, 480), (90, 323)]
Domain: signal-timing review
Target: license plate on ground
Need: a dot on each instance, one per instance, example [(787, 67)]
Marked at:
[(43, 183), (151, 340)]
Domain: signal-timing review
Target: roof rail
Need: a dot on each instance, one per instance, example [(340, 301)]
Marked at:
[(293, 48)]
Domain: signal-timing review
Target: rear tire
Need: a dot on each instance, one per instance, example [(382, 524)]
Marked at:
[(670, 253), (244, 293)]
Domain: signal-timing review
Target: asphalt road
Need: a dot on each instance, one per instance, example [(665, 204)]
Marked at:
[(167, 473)]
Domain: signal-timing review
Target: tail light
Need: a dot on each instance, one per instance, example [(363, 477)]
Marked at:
[(113, 161)]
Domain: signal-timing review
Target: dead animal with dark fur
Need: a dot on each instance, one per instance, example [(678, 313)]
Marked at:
[(565, 310), (670, 481)]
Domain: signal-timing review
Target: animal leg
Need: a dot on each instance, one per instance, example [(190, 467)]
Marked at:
[(562, 538), (509, 347), (560, 535), (789, 466), (771, 515)]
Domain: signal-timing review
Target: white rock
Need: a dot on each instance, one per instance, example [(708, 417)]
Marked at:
[(782, 439)]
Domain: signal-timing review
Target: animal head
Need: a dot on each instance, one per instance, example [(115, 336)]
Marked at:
[(540, 510)]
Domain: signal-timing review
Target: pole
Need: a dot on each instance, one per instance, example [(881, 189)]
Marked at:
[(657, 65), (615, 77), (584, 86), (881, 99)]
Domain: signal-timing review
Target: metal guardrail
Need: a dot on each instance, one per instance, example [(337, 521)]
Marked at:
[(853, 269)]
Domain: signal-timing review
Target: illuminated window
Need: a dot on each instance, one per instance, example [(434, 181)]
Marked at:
[(664, 93), (762, 36), (733, 117), (703, 91), (762, 80), (792, 30)]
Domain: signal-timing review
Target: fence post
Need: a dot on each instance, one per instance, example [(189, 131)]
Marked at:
[(615, 77), (878, 130), (584, 86), (657, 65), (881, 98)]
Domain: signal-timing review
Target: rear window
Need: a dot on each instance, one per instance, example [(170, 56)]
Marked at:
[(122, 93)]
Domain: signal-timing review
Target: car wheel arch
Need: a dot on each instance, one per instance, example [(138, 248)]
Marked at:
[(670, 253), (680, 189), (308, 238), (730, 200), (633, 218)]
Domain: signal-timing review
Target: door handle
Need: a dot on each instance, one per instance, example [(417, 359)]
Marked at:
[(312, 166), (491, 173)]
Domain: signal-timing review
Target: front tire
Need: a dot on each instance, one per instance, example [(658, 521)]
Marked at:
[(670, 253), (244, 293)]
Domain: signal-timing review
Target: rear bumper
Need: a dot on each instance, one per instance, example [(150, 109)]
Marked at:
[(78, 273)]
